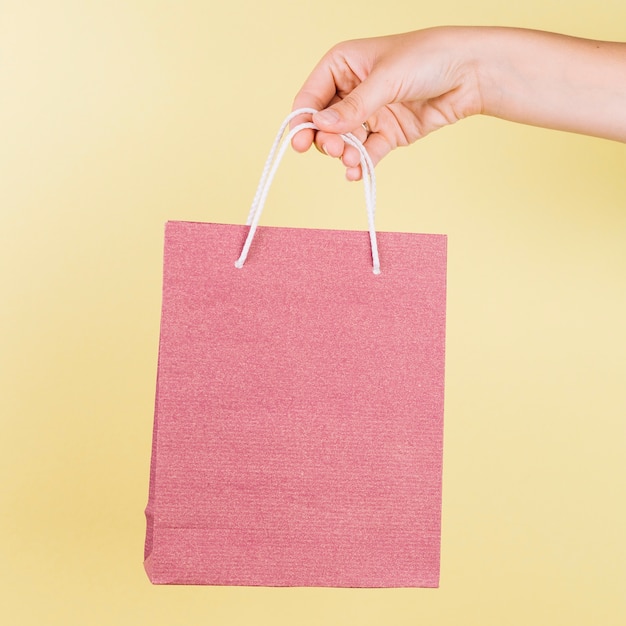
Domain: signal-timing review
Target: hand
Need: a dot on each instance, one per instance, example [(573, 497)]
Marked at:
[(404, 87)]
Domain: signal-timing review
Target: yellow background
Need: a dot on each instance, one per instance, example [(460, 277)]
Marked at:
[(117, 116)]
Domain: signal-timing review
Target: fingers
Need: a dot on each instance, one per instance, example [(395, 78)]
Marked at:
[(377, 145), (360, 104), (334, 146), (302, 141), (318, 92), (364, 95), (329, 143)]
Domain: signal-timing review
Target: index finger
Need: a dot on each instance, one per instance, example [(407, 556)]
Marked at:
[(317, 92)]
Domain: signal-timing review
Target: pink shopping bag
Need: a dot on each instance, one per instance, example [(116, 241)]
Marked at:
[(299, 409)]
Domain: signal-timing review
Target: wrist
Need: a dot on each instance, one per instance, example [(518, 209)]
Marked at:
[(470, 77)]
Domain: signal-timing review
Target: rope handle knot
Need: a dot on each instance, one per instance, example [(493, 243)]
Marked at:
[(274, 158)]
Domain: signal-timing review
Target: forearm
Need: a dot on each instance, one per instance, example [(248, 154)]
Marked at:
[(409, 85), (551, 80)]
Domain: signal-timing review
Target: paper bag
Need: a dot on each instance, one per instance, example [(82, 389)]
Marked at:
[(299, 407), (299, 410)]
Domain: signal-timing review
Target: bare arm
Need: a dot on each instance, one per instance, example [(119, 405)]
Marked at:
[(554, 81), (405, 86)]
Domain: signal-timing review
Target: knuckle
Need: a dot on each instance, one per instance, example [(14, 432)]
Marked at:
[(354, 104)]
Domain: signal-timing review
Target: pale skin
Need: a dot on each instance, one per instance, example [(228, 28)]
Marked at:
[(406, 86)]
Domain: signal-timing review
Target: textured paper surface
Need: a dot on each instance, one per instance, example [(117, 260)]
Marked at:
[(299, 410)]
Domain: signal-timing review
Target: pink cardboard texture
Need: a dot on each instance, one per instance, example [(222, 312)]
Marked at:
[(298, 431)]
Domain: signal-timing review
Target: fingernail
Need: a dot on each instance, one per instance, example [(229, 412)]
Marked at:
[(325, 149), (327, 117)]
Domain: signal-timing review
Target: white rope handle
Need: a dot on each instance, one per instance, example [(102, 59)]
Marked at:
[(269, 172)]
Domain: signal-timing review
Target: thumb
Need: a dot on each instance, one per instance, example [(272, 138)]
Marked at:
[(360, 104)]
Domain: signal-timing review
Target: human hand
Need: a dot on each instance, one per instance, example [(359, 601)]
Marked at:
[(405, 86), (402, 86)]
